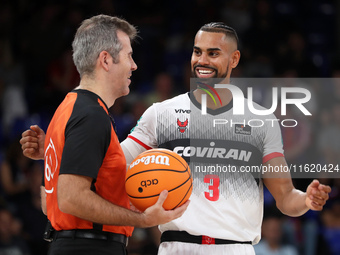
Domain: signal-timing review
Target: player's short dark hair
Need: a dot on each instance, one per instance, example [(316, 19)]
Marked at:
[(220, 27)]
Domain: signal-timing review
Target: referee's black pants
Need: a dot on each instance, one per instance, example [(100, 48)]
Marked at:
[(78, 246)]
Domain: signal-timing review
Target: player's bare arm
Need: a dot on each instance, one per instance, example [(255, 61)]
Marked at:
[(291, 201), (32, 142), (76, 198)]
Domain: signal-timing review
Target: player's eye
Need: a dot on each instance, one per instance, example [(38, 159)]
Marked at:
[(213, 54), (197, 52)]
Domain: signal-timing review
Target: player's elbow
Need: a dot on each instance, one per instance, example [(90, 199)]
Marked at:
[(288, 210), (282, 209)]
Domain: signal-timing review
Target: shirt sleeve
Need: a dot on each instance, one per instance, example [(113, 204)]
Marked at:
[(87, 138), (273, 146)]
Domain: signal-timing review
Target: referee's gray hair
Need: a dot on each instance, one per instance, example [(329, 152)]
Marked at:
[(95, 35)]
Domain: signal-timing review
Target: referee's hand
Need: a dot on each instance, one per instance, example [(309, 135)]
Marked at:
[(32, 142), (156, 214)]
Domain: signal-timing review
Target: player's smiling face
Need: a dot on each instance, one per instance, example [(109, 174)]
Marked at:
[(213, 55)]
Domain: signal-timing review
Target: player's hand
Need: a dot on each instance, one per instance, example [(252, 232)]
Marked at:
[(32, 142), (317, 195), (156, 214)]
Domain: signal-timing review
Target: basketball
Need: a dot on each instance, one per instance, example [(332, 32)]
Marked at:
[(156, 170)]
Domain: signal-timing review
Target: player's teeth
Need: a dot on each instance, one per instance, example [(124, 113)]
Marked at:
[(204, 71)]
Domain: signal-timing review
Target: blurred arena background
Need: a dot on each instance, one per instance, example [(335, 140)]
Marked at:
[(278, 38)]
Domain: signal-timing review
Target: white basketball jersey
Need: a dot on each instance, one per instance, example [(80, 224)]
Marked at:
[(227, 201)]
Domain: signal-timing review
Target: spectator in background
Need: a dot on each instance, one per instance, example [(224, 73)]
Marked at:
[(330, 218), (127, 112), (62, 78), (11, 242), (271, 242), (163, 89), (328, 139), (12, 82), (30, 214), (13, 175), (294, 54)]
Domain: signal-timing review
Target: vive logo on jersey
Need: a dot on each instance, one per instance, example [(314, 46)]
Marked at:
[(182, 111), (182, 126), (242, 129)]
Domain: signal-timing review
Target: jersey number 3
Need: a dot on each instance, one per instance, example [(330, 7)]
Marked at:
[(214, 183)]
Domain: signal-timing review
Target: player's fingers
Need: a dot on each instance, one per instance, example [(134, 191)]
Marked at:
[(316, 206), (178, 212), (324, 195), (321, 194), (315, 183), (318, 201), (325, 188), (162, 196)]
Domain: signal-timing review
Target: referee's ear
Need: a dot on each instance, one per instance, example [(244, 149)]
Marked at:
[(104, 60)]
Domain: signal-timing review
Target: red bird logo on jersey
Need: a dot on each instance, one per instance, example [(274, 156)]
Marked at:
[(182, 126)]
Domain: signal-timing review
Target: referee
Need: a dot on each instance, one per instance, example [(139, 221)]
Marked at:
[(85, 166)]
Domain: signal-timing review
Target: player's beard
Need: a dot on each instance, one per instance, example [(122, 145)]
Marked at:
[(217, 78)]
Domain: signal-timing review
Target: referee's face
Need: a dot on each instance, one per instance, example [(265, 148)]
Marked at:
[(122, 71), (214, 55)]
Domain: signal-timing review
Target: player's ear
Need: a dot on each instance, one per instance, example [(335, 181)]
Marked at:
[(235, 58)]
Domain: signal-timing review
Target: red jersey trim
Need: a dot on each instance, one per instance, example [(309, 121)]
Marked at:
[(271, 156), (139, 142)]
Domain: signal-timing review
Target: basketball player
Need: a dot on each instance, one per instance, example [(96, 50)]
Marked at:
[(225, 212), (85, 167), (226, 209)]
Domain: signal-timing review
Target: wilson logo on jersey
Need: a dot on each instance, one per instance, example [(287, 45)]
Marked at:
[(242, 129), (182, 126), (161, 160)]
